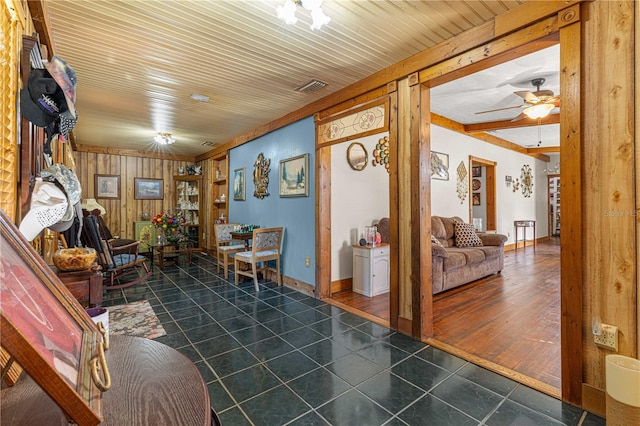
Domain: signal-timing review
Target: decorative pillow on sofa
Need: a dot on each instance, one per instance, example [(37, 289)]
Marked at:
[(436, 241), (466, 235)]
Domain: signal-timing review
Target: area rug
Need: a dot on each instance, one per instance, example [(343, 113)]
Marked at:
[(135, 319)]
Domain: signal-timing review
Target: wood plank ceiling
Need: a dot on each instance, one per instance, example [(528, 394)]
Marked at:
[(139, 61)]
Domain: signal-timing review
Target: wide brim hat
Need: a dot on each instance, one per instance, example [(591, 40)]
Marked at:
[(48, 206), (66, 78), (42, 99)]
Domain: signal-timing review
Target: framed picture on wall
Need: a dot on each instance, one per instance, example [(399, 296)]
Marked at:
[(476, 171), (293, 176), (107, 186), (47, 331), (475, 197), (148, 189), (238, 184), (439, 166)]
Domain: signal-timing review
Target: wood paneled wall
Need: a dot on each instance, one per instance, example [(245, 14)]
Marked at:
[(123, 212), (610, 162)]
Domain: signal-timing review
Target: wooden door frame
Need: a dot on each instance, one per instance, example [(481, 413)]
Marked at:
[(490, 192), (568, 34), (513, 34)]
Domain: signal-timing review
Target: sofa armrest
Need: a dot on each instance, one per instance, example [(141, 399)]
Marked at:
[(492, 239), (438, 251)]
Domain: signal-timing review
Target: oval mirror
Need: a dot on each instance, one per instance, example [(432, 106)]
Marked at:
[(357, 156)]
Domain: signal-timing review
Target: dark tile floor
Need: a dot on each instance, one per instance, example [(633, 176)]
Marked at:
[(281, 357)]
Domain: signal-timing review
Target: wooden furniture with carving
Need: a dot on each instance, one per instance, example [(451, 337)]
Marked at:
[(152, 384), (86, 286)]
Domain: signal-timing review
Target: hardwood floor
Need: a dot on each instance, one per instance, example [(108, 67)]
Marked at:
[(510, 321)]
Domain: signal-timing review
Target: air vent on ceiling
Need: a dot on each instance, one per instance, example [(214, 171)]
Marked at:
[(311, 86), (207, 143)]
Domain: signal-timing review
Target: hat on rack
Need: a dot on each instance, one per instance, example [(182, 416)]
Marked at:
[(48, 206), (66, 78), (42, 98), (69, 182)]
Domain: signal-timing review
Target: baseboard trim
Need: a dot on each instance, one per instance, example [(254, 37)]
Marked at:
[(341, 285), (594, 400), (298, 285)]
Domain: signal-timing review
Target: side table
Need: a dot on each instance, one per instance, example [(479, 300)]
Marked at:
[(524, 224), (371, 269), (86, 286), (169, 253), (151, 384)]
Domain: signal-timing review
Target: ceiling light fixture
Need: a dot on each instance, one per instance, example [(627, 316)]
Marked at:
[(287, 12), (538, 111), (164, 139)]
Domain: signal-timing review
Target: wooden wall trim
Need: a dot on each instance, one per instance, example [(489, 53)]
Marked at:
[(486, 137), (508, 124), (135, 153), (323, 222), (594, 400), (571, 255), (394, 290), (341, 285), (423, 303), (521, 16)]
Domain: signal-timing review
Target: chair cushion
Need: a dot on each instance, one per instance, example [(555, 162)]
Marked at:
[(234, 247), (466, 235), (264, 253), (125, 259)]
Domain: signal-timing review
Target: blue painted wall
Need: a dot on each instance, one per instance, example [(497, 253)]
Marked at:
[(295, 214)]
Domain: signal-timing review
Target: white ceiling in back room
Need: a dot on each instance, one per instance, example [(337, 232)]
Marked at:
[(493, 88)]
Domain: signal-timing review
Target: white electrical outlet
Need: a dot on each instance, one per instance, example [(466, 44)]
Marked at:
[(608, 337)]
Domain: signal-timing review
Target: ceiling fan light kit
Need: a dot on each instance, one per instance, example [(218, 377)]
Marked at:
[(538, 111)]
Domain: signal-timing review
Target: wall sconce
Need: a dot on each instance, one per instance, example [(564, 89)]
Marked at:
[(287, 12)]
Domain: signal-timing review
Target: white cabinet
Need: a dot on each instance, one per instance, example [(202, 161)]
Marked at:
[(371, 269)]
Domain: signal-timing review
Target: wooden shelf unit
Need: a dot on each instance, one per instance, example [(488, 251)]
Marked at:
[(189, 204), (220, 190)]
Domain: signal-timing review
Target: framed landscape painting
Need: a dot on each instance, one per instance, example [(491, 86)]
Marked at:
[(148, 189), (293, 176)]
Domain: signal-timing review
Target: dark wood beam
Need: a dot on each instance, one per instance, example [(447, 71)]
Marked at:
[(508, 124)]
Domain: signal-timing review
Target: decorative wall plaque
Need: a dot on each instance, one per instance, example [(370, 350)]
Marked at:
[(261, 176)]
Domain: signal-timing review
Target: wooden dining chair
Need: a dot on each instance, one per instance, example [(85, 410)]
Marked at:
[(266, 247), (225, 246)]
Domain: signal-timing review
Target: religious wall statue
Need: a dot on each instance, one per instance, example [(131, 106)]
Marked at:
[(261, 176)]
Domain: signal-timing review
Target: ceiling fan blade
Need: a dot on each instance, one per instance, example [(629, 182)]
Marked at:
[(500, 109), (529, 97), (519, 117)]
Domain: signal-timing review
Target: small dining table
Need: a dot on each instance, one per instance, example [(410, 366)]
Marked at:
[(243, 236)]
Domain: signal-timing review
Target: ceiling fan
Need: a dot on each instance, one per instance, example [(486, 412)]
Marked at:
[(537, 104)]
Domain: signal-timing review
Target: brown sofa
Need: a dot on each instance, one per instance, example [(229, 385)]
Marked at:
[(453, 266)]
